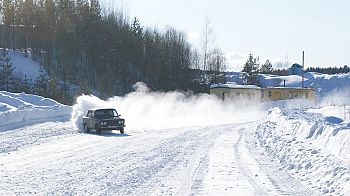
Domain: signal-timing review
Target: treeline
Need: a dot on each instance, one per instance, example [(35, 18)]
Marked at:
[(104, 51), (329, 70)]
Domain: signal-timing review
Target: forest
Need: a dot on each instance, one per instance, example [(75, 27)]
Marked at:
[(79, 42)]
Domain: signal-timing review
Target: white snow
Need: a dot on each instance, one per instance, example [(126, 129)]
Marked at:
[(20, 109), (233, 85), (179, 144), (313, 148), (180, 161), (24, 66)]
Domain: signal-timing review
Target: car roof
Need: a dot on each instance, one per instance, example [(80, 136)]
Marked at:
[(94, 109)]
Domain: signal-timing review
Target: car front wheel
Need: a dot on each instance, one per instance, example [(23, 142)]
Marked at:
[(122, 131), (98, 131)]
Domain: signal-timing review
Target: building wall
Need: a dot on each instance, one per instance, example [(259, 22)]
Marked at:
[(260, 95), (275, 94), (238, 94)]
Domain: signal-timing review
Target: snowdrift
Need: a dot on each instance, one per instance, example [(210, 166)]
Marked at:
[(20, 109), (314, 148)]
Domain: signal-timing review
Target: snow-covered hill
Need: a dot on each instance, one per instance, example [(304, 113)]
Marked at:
[(24, 66), (20, 109)]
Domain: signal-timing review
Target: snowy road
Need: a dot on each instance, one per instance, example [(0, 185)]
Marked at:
[(216, 160)]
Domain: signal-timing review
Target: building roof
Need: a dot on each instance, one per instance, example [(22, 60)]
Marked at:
[(289, 88), (296, 65), (234, 86)]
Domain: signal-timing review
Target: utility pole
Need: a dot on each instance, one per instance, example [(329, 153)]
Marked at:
[(302, 82)]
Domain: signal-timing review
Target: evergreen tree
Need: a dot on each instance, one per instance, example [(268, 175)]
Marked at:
[(41, 84), (25, 85), (251, 69), (8, 18), (84, 88), (266, 68), (7, 81)]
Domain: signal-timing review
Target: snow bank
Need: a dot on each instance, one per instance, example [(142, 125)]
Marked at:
[(145, 110), (20, 109), (314, 148), (288, 104)]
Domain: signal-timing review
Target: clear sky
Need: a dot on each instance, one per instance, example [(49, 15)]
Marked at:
[(278, 30)]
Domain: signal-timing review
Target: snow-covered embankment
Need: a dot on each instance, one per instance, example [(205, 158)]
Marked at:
[(20, 109), (313, 148)]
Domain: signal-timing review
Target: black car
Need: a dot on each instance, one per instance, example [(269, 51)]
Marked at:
[(103, 119)]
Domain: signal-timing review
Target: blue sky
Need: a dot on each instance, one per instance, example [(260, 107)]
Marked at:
[(278, 30)]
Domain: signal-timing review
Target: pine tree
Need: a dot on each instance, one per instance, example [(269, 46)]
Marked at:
[(53, 89), (251, 69), (136, 27), (7, 81), (25, 85), (266, 68), (41, 84), (84, 88)]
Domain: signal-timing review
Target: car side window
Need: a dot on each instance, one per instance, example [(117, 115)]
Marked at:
[(115, 113), (88, 114)]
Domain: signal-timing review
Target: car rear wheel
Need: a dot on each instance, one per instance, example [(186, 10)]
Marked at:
[(86, 129), (122, 131)]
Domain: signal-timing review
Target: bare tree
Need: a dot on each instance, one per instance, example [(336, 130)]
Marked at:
[(217, 66), (207, 40)]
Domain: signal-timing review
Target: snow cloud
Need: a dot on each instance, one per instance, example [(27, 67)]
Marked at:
[(337, 97), (145, 110)]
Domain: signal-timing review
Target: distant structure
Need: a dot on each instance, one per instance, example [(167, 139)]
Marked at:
[(234, 92), (295, 69), (255, 94)]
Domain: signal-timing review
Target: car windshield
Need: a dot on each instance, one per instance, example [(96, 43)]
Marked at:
[(105, 113)]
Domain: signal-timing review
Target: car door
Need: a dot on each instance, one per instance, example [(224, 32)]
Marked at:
[(89, 119)]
